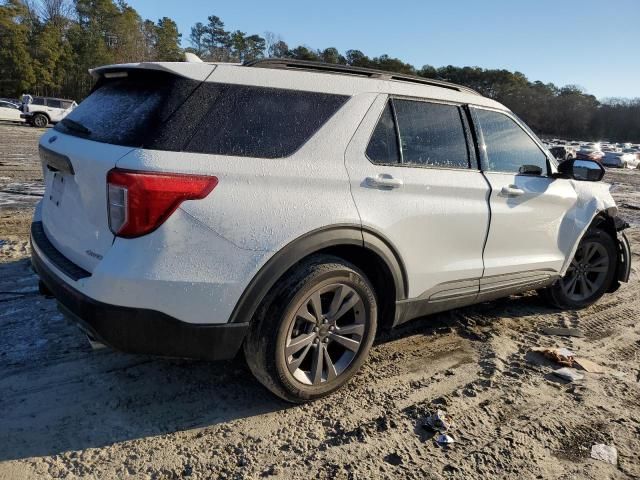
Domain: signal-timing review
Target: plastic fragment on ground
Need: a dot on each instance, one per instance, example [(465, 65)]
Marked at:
[(605, 453), (570, 374)]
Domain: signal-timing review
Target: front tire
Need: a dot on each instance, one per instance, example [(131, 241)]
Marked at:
[(39, 120), (589, 275), (314, 330)]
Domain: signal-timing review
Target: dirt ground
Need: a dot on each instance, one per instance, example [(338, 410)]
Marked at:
[(69, 412)]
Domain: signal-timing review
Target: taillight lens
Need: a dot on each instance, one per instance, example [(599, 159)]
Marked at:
[(139, 202)]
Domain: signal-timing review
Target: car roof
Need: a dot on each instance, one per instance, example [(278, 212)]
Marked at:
[(311, 76)]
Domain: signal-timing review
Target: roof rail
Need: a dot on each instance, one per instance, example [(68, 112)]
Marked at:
[(287, 63)]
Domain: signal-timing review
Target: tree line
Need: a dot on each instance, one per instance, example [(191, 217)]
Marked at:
[(47, 46)]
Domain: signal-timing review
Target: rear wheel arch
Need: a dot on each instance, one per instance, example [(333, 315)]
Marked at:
[(367, 250)]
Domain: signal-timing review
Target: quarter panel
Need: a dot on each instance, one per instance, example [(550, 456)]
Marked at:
[(263, 204)]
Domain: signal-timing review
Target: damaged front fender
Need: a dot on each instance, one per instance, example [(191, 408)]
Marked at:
[(595, 205)]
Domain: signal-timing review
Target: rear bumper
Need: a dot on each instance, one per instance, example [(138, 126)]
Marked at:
[(135, 330)]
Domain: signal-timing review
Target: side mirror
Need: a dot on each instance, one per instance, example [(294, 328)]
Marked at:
[(585, 170)]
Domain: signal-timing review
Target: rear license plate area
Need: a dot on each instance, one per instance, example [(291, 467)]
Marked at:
[(57, 189)]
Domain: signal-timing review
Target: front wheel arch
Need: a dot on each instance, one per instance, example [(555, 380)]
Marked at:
[(610, 224)]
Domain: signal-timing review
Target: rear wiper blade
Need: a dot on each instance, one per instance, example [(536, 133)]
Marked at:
[(73, 125)]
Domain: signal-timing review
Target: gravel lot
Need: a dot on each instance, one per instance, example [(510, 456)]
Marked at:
[(69, 412)]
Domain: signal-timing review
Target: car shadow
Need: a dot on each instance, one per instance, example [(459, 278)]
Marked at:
[(58, 395)]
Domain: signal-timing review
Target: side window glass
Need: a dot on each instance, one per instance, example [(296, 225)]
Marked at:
[(432, 134), (383, 146), (54, 103), (263, 122), (508, 147), (38, 101)]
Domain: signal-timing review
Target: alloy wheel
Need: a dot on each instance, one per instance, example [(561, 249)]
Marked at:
[(587, 272), (325, 334)]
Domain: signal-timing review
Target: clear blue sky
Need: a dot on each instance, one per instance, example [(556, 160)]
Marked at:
[(591, 43)]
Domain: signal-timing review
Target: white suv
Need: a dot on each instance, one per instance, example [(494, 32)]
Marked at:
[(294, 209), (41, 111)]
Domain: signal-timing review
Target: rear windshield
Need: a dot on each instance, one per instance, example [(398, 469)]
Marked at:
[(166, 112), (127, 111)]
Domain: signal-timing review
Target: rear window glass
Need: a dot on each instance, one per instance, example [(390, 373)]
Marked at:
[(165, 112), (262, 122), (128, 111)]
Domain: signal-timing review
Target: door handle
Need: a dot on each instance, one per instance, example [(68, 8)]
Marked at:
[(511, 191), (384, 181)]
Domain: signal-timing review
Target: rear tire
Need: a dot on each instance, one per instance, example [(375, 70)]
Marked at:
[(39, 120), (314, 330), (589, 275)]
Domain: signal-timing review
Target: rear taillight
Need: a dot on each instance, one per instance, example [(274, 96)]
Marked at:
[(139, 202)]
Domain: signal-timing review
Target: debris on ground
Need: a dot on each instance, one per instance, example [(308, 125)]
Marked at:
[(605, 453), (444, 439), (588, 365), (439, 422), (570, 374), (561, 356), (562, 332)]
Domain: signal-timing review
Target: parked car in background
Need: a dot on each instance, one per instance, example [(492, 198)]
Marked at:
[(563, 152), (10, 111), (589, 153), (41, 111), (631, 156)]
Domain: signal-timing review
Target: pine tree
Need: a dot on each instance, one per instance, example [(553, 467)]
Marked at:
[(16, 65), (168, 41)]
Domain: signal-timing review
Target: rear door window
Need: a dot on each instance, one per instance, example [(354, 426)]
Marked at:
[(383, 145), (53, 103), (508, 147), (38, 101), (432, 134)]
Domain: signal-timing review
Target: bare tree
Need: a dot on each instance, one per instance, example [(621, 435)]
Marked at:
[(55, 10), (49, 11), (272, 40)]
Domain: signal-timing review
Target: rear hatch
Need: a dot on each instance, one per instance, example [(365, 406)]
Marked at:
[(74, 208), (128, 108)]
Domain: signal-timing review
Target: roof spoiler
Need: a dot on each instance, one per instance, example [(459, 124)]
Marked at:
[(192, 58), (192, 69)]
